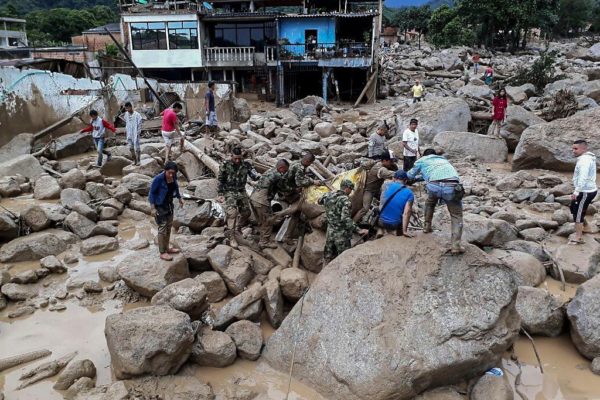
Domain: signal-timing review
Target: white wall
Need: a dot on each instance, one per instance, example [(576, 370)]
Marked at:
[(171, 58)]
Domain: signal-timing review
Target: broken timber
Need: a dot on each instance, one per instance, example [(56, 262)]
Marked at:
[(13, 361), (205, 159)]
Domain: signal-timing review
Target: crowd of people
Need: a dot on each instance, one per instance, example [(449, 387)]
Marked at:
[(385, 182)]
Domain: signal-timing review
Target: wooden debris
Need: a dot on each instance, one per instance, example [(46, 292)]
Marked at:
[(45, 370), (13, 361)]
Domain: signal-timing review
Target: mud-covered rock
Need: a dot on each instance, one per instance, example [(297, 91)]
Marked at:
[(73, 144), (153, 340), (46, 187), (463, 144), (73, 179), (37, 245), (147, 274), (235, 309), (25, 165), (583, 315), (541, 313), (381, 306), (98, 245), (293, 282), (248, 339), (530, 271), (214, 284), (213, 349), (492, 387), (73, 371), (188, 296), (10, 230)]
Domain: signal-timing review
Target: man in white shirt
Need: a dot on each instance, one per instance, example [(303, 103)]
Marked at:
[(584, 181), (133, 127), (410, 142)]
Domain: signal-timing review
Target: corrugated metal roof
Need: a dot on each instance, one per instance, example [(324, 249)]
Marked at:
[(112, 27), (240, 15), (339, 15)]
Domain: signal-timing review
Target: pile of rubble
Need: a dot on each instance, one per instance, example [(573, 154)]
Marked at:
[(206, 303)]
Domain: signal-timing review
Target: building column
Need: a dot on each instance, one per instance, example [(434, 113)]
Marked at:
[(280, 86), (325, 79)]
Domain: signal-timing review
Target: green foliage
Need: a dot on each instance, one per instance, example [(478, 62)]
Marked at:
[(595, 20), (574, 16), (57, 25), (111, 50), (540, 73), (23, 7), (447, 28)]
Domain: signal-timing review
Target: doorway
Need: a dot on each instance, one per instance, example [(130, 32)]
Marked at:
[(310, 38)]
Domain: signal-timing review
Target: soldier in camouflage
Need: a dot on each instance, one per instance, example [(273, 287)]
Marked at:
[(261, 198), (338, 211), (291, 187), (233, 175)]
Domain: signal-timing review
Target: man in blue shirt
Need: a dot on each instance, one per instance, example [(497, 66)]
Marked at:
[(395, 206), (443, 185), (164, 187)]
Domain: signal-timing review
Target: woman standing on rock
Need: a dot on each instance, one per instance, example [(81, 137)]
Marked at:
[(499, 105), (488, 75)]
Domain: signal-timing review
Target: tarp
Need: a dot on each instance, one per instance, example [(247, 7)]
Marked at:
[(357, 176)]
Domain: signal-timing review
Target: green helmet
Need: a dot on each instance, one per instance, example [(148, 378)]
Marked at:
[(347, 183)]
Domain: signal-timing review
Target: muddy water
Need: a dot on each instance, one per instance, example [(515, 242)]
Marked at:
[(566, 376)]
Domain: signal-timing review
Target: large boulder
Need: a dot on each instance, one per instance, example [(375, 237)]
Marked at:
[(236, 308), (147, 274), (484, 231), (25, 165), (590, 89), (147, 166), (46, 188), (541, 312), (234, 268), (188, 296), (213, 349), (18, 146), (325, 129), (70, 196), (476, 91), (241, 110), (73, 144), (440, 114), (80, 225), (307, 106), (462, 144), (248, 339), (419, 319), (194, 216), (74, 178), (585, 318), (114, 166), (548, 146), (153, 340), (137, 183), (517, 120), (311, 253), (530, 271), (8, 227), (37, 245), (36, 218), (98, 245), (578, 263)]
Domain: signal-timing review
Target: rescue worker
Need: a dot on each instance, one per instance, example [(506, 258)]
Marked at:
[(261, 198), (377, 173), (340, 226), (233, 175), (377, 142), (443, 185), (291, 187)]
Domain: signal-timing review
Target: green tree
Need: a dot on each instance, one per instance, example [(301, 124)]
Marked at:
[(447, 28), (574, 16)]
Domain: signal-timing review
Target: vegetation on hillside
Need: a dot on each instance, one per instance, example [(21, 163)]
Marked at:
[(500, 24), (53, 22)]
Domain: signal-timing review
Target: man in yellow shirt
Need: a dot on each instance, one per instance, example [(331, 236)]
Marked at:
[(417, 91)]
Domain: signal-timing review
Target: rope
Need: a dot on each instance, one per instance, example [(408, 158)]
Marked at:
[(295, 342)]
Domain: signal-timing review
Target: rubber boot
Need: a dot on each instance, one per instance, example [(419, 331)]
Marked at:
[(138, 157), (132, 153), (456, 229), (428, 218)]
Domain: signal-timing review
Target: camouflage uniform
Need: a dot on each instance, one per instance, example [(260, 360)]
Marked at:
[(232, 185), (261, 198), (340, 226), (291, 186)]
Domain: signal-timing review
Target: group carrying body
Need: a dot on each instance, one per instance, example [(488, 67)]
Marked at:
[(287, 180)]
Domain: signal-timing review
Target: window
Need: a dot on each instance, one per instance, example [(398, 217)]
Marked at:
[(257, 35), (183, 35), (148, 36)]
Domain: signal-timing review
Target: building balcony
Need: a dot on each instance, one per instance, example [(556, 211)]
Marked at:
[(350, 54), (229, 56)]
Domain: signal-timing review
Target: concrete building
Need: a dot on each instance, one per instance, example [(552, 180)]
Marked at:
[(276, 49), (12, 33), (96, 39)]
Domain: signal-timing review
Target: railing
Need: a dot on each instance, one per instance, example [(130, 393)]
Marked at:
[(242, 55), (192, 5), (320, 51), (270, 54)]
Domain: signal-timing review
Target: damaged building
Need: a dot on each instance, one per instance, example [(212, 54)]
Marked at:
[(276, 50)]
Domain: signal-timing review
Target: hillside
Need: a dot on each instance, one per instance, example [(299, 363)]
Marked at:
[(411, 3), (23, 7)]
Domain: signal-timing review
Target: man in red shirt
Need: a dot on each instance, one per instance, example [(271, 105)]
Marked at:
[(98, 127), (476, 59), (170, 128)]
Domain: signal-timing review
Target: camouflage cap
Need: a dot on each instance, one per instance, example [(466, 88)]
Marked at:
[(347, 183)]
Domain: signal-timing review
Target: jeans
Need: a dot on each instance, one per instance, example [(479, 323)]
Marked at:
[(366, 205), (444, 192), (99, 143)]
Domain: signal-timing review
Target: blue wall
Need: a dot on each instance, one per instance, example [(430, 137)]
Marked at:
[(293, 29)]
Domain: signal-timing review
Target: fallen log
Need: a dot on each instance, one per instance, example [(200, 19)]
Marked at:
[(13, 361), (323, 170), (46, 370), (205, 159), (443, 75), (481, 115)]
